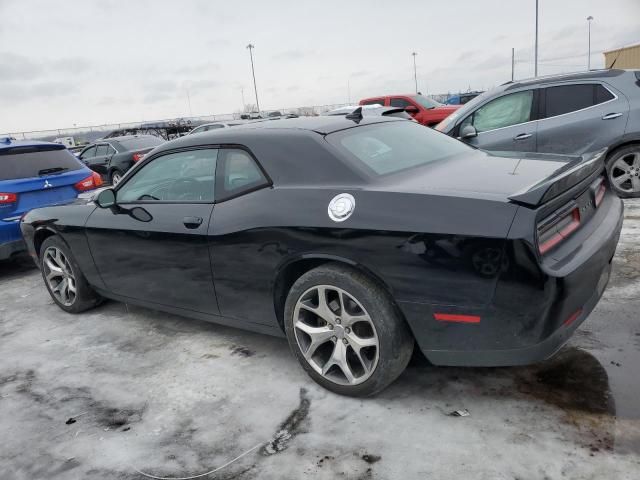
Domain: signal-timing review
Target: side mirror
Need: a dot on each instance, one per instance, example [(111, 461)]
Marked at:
[(469, 131), (411, 109), (106, 198)]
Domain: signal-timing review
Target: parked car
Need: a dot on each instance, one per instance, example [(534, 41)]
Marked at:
[(205, 127), (567, 114), (371, 110), (355, 238), (112, 157), (461, 98), (34, 174), (425, 110)]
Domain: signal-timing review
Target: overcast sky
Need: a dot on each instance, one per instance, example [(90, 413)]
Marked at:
[(93, 62)]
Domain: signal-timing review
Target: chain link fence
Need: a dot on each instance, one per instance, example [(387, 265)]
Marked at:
[(91, 133)]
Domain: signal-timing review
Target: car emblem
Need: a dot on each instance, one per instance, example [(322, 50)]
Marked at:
[(47, 184), (341, 207)]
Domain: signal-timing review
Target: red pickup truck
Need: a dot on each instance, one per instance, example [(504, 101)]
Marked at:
[(426, 111)]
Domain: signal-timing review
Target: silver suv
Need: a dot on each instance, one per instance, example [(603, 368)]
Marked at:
[(568, 114)]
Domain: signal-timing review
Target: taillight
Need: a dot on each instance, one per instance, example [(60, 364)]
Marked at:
[(555, 228), (600, 190), (89, 183), (6, 198), (138, 156)]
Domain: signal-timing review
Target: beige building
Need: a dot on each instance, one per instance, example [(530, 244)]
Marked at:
[(625, 57)]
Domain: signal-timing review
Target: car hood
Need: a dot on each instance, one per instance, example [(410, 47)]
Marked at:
[(479, 174)]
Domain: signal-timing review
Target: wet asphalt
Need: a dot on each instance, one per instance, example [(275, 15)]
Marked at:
[(123, 392)]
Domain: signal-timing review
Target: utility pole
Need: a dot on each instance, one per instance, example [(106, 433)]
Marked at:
[(253, 72), (242, 93), (535, 71), (589, 18), (349, 90), (189, 102), (415, 71), (513, 62)]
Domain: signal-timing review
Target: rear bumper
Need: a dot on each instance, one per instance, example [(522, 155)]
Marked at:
[(10, 248), (10, 238), (533, 314)]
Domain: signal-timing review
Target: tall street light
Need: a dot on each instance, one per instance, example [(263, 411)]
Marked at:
[(253, 72), (415, 72), (535, 69), (589, 18)]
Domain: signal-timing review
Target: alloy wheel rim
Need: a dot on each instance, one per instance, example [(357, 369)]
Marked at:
[(335, 335), (625, 173), (115, 179), (59, 276)]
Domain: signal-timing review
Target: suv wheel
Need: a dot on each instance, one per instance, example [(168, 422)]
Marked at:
[(623, 169), (345, 331)]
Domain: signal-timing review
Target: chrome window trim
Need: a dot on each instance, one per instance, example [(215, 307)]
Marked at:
[(615, 97)]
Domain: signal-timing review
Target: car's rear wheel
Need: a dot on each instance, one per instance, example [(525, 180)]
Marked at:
[(63, 278), (345, 331), (115, 177), (623, 169)]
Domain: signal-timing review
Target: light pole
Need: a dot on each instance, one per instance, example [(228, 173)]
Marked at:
[(415, 72), (535, 69), (253, 72), (589, 18)]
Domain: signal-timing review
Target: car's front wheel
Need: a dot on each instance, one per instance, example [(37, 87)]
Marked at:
[(116, 176), (63, 278), (623, 169), (345, 331)]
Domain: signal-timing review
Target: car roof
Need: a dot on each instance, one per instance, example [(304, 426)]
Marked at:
[(323, 124), (589, 75), (7, 142)]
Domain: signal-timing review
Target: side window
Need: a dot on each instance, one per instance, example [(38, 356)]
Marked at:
[(379, 101), (102, 150), (239, 172), (88, 153), (570, 98), (111, 151), (502, 112), (400, 102), (180, 177)]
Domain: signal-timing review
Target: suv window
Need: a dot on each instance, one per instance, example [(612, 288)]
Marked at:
[(239, 172), (400, 102), (27, 162), (502, 112), (180, 177), (379, 101), (568, 98)]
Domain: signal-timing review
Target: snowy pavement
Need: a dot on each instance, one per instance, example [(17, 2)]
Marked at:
[(122, 390)]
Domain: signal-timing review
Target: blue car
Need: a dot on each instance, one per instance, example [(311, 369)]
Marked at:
[(36, 174)]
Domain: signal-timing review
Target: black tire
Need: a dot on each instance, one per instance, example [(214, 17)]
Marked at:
[(611, 161), (394, 338), (115, 173), (85, 296)]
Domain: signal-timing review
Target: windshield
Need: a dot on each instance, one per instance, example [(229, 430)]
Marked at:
[(386, 148), (426, 102), (137, 143), (30, 162)]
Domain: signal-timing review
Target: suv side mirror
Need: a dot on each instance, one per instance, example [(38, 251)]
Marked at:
[(469, 131), (106, 198), (411, 109)]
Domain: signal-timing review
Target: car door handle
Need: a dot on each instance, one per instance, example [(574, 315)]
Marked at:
[(611, 116), (192, 222), (522, 136)]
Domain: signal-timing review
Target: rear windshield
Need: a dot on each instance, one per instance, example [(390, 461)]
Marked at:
[(140, 142), (389, 147), (30, 162)]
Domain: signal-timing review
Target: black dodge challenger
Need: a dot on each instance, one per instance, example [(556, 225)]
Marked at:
[(354, 237)]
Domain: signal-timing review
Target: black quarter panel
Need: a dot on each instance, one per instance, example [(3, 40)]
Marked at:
[(427, 249)]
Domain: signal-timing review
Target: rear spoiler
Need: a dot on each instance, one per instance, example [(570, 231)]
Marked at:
[(562, 179)]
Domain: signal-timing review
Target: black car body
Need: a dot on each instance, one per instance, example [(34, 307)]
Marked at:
[(490, 259), (112, 157)]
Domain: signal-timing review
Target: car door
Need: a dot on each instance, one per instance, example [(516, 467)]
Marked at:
[(152, 246), (87, 155), (580, 117), (505, 123), (100, 161)]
